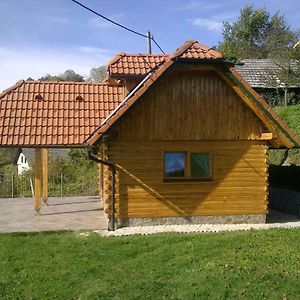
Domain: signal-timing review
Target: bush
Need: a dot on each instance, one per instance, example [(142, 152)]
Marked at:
[(76, 174)]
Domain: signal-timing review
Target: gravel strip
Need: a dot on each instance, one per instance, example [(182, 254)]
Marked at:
[(145, 230)]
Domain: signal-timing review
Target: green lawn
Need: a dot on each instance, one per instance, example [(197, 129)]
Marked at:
[(67, 265), (291, 115)]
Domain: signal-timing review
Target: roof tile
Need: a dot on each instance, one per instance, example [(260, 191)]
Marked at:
[(25, 121), (134, 64), (141, 64), (194, 50), (34, 113)]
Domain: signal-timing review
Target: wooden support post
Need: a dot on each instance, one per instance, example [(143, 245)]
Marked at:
[(45, 175), (38, 174)]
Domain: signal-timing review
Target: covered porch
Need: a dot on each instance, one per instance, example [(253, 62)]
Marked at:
[(44, 115)]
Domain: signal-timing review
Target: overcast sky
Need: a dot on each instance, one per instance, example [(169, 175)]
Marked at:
[(51, 36)]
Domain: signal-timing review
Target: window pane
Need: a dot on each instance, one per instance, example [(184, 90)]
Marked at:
[(174, 164), (200, 167)]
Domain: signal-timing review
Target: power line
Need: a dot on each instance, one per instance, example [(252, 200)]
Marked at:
[(118, 24), (109, 20), (152, 38)]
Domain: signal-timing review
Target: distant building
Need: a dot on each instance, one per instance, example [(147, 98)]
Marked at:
[(262, 73), (263, 76), (22, 164)]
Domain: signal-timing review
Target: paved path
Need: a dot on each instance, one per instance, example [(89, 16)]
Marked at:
[(18, 215), (75, 213)]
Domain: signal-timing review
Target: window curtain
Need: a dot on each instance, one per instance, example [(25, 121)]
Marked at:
[(200, 165)]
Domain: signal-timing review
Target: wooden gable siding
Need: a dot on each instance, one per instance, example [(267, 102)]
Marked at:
[(191, 105), (239, 184), (193, 111)]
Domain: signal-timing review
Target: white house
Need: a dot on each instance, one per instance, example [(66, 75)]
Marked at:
[(22, 164)]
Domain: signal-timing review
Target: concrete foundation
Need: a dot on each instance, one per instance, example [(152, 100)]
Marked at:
[(226, 219)]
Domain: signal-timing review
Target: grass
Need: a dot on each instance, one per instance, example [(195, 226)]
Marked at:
[(291, 115), (68, 265)]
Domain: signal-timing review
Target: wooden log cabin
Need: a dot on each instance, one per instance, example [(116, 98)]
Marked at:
[(184, 134), (189, 141)]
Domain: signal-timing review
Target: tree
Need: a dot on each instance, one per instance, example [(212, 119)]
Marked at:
[(256, 34), (7, 155), (97, 74), (68, 75)]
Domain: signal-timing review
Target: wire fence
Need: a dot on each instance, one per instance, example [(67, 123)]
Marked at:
[(12, 186), (69, 174), (18, 186)]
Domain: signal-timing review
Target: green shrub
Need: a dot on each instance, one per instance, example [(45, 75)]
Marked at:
[(75, 174)]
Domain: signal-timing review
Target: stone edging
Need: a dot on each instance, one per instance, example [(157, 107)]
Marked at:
[(146, 230)]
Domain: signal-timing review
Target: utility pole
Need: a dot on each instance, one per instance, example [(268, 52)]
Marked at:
[(149, 50)]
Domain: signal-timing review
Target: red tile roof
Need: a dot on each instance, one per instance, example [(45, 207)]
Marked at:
[(64, 114), (124, 65), (193, 50), (134, 64), (49, 113)]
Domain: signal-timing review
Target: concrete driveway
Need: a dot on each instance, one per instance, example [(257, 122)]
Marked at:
[(73, 213)]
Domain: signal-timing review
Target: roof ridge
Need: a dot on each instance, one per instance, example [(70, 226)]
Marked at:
[(15, 86), (183, 48), (117, 57), (145, 54), (204, 49), (66, 82)]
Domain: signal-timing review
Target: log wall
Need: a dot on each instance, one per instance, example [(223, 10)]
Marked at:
[(189, 111), (239, 184)]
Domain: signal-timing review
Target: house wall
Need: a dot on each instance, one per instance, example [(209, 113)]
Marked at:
[(190, 111), (22, 164), (239, 184)]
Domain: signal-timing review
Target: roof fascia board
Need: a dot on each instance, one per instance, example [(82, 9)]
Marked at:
[(128, 102), (125, 100), (274, 119)]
